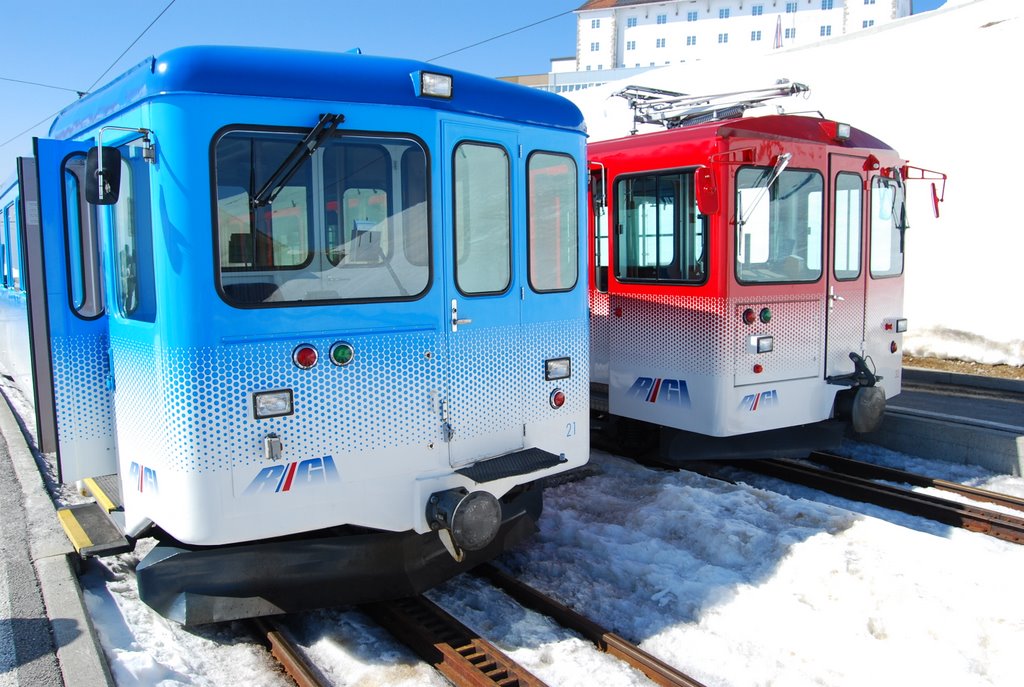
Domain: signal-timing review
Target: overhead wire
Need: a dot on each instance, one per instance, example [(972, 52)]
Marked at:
[(502, 35), (169, 4), (43, 85), (93, 85)]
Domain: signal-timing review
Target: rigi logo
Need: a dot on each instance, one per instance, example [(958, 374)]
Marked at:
[(764, 399), (142, 477), (285, 477), (658, 390)]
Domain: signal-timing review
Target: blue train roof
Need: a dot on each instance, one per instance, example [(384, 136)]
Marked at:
[(303, 74)]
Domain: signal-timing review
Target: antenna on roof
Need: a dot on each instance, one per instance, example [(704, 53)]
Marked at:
[(672, 109)]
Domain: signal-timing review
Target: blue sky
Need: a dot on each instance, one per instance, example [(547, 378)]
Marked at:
[(73, 44)]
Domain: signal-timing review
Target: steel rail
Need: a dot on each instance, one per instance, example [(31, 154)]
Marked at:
[(286, 653), (454, 650), (654, 668), (859, 468), (953, 513)]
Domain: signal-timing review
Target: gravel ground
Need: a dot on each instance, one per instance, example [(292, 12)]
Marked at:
[(964, 367)]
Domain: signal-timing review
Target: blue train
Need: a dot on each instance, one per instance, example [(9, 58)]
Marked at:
[(315, 322)]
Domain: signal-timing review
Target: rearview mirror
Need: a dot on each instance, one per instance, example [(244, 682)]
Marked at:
[(706, 190), (102, 175)]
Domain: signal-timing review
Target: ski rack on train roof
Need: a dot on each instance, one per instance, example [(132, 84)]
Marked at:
[(672, 109)]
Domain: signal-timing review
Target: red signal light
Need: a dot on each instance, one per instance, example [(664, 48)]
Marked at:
[(557, 399), (749, 316), (305, 356)]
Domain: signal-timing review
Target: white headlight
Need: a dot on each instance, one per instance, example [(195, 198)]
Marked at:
[(272, 403), (435, 85), (557, 368)]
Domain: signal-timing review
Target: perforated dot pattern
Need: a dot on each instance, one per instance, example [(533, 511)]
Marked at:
[(80, 385), (194, 406), (688, 335)]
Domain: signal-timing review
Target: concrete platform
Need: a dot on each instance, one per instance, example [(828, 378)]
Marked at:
[(48, 556), (958, 418)]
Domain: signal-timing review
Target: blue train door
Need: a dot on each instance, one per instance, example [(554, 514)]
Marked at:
[(69, 337), (483, 412)]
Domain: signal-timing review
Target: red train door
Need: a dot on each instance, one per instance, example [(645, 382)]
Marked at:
[(846, 273)]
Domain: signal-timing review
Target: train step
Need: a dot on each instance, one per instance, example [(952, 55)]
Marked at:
[(106, 490), (91, 530)]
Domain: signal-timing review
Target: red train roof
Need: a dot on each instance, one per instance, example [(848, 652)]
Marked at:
[(778, 127)]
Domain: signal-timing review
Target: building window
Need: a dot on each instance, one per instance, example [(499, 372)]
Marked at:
[(826, 4), (662, 18), (661, 43), (869, 2), (723, 13), (630, 22), (755, 35), (867, 22), (595, 23), (691, 16), (826, 30), (691, 40), (757, 10), (630, 45), (790, 7), (790, 33), (723, 38), (594, 47)]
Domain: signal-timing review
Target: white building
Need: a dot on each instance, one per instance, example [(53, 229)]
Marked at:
[(637, 34)]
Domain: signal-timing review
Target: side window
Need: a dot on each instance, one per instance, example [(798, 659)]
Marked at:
[(13, 231), (483, 260), (778, 234), (552, 212), (5, 240), (600, 215), (131, 234), (80, 243), (888, 222), (848, 226), (662, 235)]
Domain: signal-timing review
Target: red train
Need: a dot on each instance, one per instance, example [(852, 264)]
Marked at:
[(746, 281)]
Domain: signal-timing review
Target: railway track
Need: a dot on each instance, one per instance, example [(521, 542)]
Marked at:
[(281, 647), (610, 643), (461, 655), (856, 481)]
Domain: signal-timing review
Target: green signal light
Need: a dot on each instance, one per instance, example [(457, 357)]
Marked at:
[(342, 353)]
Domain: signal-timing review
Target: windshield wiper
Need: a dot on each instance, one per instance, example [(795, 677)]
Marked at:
[(780, 165), (324, 129)]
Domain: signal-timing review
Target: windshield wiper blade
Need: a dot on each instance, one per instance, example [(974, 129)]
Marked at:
[(780, 165), (324, 129)]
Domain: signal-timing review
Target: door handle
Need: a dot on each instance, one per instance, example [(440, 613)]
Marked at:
[(455, 317), (832, 297)]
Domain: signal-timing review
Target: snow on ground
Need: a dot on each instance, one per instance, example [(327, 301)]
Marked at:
[(756, 583), (933, 86)]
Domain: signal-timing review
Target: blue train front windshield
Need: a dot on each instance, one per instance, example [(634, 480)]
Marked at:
[(348, 223)]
